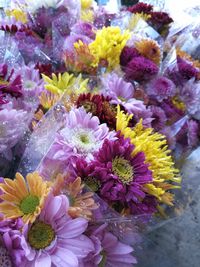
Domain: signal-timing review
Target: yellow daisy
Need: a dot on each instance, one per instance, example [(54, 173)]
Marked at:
[(23, 198)]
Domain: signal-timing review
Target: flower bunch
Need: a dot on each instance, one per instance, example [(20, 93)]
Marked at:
[(50, 224)]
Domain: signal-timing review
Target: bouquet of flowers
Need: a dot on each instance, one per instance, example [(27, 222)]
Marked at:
[(109, 107)]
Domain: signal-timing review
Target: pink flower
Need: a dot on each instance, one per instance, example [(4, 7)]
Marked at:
[(56, 239)]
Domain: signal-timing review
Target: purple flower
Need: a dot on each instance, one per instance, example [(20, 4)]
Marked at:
[(140, 69), (159, 118), (10, 231), (120, 91), (84, 28), (193, 133), (190, 95), (82, 136), (56, 239), (12, 84), (109, 252), (13, 123), (120, 175), (161, 88), (127, 54), (32, 84), (5, 260), (186, 70)]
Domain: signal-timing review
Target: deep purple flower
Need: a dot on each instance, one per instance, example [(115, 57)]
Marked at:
[(120, 175), (160, 19), (171, 111), (161, 88), (140, 69), (127, 54), (159, 118), (10, 231), (63, 239), (109, 252), (141, 8), (186, 70)]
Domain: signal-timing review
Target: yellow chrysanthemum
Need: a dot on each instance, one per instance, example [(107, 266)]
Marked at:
[(135, 18), (85, 4), (156, 152), (18, 14), (65, 83), (87, 15), (108, 45), (149, 49), (23, 198)]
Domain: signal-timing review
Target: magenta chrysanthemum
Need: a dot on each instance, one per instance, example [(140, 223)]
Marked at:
[(82, 136), (127, 54), (140, 69), (121, 176), (55, 237)]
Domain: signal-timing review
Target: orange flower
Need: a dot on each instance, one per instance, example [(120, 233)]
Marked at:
[(23, 198), (149, 49)]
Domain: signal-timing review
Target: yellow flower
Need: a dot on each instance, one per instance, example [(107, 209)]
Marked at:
[(48, 100), (154, 146), (108, 45), (23, 199), (65, 83), (149, 49), (85, 4), (135, 18), (87, 15), (18, 14)]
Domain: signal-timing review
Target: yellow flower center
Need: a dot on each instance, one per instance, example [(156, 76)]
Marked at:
[(92, 183), (84, 139), (29, 204), (122, 168), (41, 235)]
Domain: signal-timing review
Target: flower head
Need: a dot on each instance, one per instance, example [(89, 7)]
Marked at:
[(121, 175), (161, 88), (186, 69), (157, 155), (127, 54), (108, 45), (9, 135), (82, 136), (141, 8), (21, 199), (150, 49), (10, 231), (109, 251), (140, 69), (55, 237), (160, 19)]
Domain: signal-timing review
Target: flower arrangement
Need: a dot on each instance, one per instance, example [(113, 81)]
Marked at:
[(129, 112)]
